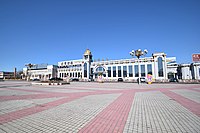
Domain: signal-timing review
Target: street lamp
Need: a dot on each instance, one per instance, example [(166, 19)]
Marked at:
[(28, 66), (138, 53)]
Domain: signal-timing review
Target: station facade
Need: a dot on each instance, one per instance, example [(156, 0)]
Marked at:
[(160, 67), (111, 70)]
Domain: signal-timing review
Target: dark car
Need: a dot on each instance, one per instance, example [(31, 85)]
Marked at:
[(74, 79), (56, 79), (120, 80), (36, 80), (173, 80)]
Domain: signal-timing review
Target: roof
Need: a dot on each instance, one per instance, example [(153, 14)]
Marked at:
[(87, 52)]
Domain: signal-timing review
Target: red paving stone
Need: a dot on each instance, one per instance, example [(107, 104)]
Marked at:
[(38, 96), (25, 90), (30, 96), (195, 90), (187, 103), (113, 117), (32, 110), (36, 109)]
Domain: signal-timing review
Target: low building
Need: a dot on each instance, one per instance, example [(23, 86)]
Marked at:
[(189, 71), (40, 71), (7, 75), (184, 72)]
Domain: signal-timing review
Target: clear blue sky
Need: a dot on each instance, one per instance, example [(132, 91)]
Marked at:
[(48, 31)]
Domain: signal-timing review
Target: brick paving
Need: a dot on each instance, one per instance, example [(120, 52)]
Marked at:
[(99, 108), (68, 117), (187, 103), (22, 104), (113, 118), (155, 112), (190, 94)]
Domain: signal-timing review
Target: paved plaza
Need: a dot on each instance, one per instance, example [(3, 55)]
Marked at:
[(88, 107)]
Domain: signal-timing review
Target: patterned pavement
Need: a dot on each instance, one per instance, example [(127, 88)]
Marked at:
[(99, 108)]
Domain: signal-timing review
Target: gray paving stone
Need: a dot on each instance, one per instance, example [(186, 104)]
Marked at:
[(70, 116), (192, 95), (162, 113)]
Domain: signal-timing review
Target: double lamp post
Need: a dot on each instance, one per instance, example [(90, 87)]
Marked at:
[(138, 53)]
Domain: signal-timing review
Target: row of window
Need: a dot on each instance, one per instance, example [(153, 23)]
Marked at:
[(118, 71), (74, 74), (124, 72), (66, 70)]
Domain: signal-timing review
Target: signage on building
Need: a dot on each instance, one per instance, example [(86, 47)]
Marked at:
[(196, 57)]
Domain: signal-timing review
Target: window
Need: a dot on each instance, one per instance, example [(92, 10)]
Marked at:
[(160, 67), (142, 70), (114, 71), (124, 71), (136, 71), (109, 71), (100, 69), (92, 71), (85, 70), (78, 74), (130, 71), (119, 71), (149, 69), (199, 71)]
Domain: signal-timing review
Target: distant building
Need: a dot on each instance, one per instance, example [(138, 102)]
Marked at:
[(40, 71), (189, 71), (7, 75), (184, 71)]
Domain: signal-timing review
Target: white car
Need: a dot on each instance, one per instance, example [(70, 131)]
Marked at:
[(142, 79)]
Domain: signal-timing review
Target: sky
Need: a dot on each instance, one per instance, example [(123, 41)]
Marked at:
[(49, 31)]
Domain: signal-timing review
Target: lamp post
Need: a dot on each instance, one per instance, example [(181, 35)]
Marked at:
[(138, 53), (28, 66)]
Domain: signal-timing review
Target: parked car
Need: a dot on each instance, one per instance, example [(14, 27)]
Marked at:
[(120, 80), (173, 80), (36, 80), (74, 79), (56, 79), (142, 80)]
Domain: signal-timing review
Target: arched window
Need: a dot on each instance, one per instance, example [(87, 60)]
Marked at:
[(100, 69), (85, 70), (160, 67)]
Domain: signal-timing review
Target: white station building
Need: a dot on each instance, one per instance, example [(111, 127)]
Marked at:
[(159, 66), (111, 70)]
